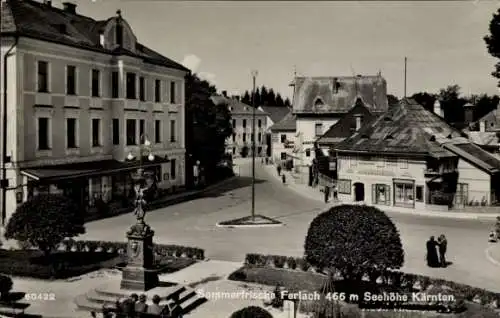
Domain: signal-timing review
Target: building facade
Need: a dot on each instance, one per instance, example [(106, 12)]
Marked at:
[(274, 115), (82, 97), (240, 143), (284, 141), (411, 158), (319, 103)]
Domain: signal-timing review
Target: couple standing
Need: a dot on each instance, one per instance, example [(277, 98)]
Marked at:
[(433, 247)]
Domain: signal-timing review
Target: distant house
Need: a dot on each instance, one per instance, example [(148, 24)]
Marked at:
[(486, 132), (409, 157), (274, 115), (284, 139), (240, 143), (320, 102)]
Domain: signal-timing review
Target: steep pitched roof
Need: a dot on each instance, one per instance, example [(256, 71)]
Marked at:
[(47, 23), (288, 123), (474, 155), (276, 113), (236, 106), (338, 94), (346, 126), (406, 128)]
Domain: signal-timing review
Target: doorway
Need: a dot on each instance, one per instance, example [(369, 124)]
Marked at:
[(359, 192)]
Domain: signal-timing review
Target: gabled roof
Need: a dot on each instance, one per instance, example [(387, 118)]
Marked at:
[(346, 126), (406, 128), (236, 106), (276, 113), (474, 155), (47, 23), (288, 123), (338, 94)]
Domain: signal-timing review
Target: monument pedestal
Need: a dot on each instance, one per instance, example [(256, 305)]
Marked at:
[(139, 274)]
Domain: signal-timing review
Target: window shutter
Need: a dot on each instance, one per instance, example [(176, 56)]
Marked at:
[(374, 193)]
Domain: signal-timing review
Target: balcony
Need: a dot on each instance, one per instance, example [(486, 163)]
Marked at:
[(431, 172)]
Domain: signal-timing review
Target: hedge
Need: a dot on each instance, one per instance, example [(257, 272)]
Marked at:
[(121, 248), (5, 285), (474, 294)]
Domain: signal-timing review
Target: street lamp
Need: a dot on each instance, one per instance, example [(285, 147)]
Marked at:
[(254, 76)]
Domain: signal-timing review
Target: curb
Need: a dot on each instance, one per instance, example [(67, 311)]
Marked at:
[(248, 225), (490, 258), (436, 214)]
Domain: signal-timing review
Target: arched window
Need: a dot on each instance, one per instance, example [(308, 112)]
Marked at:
[(318, 102)]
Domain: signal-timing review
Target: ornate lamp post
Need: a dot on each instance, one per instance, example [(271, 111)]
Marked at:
[(254, 75), (139, 273)]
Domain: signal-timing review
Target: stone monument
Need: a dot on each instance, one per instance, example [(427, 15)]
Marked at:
[(140, 274)]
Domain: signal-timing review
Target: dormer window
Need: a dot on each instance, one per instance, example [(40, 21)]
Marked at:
[(102, 40), (119, 34), (433, 138)]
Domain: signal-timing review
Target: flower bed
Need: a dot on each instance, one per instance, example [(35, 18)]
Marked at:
[(273, 275)]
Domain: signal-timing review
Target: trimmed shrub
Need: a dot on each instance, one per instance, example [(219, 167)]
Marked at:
[(342, 237), (292, 263), (5, 286), (44, 221), (279, 261), (251, 312)]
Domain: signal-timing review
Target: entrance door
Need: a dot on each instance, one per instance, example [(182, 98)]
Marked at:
[(359, 192)]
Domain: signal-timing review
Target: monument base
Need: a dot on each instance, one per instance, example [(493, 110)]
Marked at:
[(139, 278)]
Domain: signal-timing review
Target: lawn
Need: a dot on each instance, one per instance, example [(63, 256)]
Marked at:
[(61, 265), (292, 280)]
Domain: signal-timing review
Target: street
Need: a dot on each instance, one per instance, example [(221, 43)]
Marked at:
[(193, 224)]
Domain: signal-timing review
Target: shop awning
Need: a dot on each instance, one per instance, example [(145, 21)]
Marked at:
[(85, 169)]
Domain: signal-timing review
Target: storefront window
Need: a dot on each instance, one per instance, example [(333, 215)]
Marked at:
[(404, 193), (381, 194)]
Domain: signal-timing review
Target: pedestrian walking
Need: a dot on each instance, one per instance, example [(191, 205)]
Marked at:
[(442, 246), (278, 168), (283, 178), (327, 193), (432, 255)]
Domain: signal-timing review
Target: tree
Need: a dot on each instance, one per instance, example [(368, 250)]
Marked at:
[(264, 95), (271, 98), (483, 104), (246, 98), (44, 221), (207, 125), (425, 99), (279, 101), (392, 100), (287, 102), (493, 42), (251, 312), (452, 104), (355, 240), (5, 286), (258, 98)]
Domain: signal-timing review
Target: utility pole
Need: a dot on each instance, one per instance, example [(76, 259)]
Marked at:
[(405, 77), (254, 75)]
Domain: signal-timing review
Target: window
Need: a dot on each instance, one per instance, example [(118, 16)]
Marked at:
[(131, 132), (318, 129), (95, 83), (172, 131), (259, 123), (116, 131), (283, 156), (234, 150), (234, 137), (244, 123), (308, 152), (96, 132), (234, 123), (131, 86), (157, 91), (391, 161), (283, 138), (119, 34), (244, 137), (43, 77), (43, 133), (142, 89), (157, 131), (353, 161), (71, 133), (462, 193), (419, 194), (344, 186), (172, 93), (70, 80), (252, 137), (115, 85), (172, 169), (142, 129), (403, 163), (381, 194), (259, 136), (404, 193)]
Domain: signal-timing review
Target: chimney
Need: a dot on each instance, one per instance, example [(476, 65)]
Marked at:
[(437, 108), (48, 3), (482, 126), (69, 7), (468, 113), (359, 122), (224, 93)]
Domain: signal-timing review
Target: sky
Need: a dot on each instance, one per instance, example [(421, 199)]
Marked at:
[(224, 41)]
